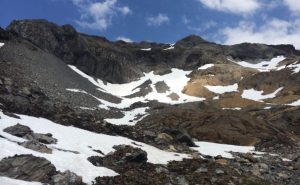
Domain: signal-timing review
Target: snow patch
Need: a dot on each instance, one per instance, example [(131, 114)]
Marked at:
[(130, 117), (170, 48), (264, 66), (176, 80), (1, 44), (146, 49), (215, 149), (206, 66), (87, 108), (216, 98), (10, 181), (222, 89), (235, 108), (294, 67), (295, 103), (255, 95), (75, 139)]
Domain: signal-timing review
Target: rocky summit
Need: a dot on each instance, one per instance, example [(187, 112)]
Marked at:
[(80, 109)]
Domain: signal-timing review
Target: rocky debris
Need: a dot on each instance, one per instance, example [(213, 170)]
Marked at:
[(271, 168), (230, 127), (188, 171), (28, 168)]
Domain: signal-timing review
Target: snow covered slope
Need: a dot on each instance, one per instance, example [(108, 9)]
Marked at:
[(74, 146)]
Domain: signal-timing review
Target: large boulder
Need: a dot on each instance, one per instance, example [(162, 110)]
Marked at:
[(28, 168), (18, 130)]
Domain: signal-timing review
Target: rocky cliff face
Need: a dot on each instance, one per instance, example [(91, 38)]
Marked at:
[(120, 62)]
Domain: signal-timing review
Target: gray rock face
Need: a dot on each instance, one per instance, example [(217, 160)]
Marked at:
[(120, 62), (36, 146), (161, 87), (42, 138), (28, 168), (18, 130), (66, 178)]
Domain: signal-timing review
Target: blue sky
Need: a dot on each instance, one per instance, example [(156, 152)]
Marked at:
[(222, 21)]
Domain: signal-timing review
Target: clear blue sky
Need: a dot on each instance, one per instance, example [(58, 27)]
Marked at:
[(223, 21)]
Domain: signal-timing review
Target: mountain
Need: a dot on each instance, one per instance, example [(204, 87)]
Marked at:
[(77, 108)]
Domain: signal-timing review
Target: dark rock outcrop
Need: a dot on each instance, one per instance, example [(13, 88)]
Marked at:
[(36, 146), (18, 130), (28, 168), (31, 168), (120, 62)]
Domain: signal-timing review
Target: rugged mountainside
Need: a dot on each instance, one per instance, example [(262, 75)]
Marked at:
[(140, 105)]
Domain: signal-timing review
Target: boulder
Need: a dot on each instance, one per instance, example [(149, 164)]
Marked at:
[(18, 130), (43, 138), (28, 168), (36, 146)]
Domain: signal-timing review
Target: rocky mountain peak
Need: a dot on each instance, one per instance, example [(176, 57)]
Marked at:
[(190, 41)]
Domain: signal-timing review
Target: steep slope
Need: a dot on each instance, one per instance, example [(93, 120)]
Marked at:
[(119, 62)]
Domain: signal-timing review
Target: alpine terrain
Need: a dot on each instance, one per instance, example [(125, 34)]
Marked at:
[(79, 109)]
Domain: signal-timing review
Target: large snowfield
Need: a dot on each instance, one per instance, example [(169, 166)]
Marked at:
[(176, 80)]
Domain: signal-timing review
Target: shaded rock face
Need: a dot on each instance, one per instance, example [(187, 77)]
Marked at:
[(93, 55), (252, 52), (28, 168), (3, 35), (120, 62), (230, 127)]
